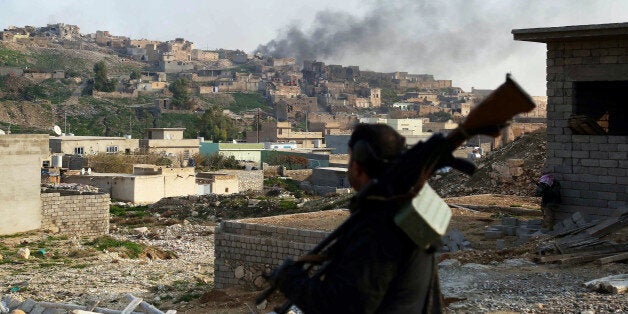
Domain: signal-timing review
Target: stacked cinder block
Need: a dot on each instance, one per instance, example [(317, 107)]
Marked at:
[(244, 250), (83, 215), (510, 226)]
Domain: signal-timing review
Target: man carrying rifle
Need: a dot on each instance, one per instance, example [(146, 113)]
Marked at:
[(374, 266)]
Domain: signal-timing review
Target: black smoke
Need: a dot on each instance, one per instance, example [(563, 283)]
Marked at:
[(462, 40)]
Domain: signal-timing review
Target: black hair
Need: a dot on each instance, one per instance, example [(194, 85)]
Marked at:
[(375, 147)]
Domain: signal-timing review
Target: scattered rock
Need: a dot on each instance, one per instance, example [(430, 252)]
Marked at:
[(449, 263), (262, 306), (518, 262), (612, 284), (24, 253), (17, 312), (239, 272), (473, 266), (141, 230)]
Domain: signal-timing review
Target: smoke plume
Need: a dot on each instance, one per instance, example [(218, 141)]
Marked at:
[(468, 41)]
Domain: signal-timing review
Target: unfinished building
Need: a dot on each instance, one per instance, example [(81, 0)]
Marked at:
[(587, 134)]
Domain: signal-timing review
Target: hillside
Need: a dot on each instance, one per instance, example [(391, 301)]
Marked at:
[(29, 105)]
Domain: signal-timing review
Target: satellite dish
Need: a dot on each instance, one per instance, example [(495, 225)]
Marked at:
[(2, 132), (57, 130)]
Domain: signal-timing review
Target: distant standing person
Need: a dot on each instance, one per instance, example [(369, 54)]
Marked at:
[(548, 189)]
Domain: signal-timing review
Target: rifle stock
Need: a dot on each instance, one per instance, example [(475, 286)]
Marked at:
[(407, 176)]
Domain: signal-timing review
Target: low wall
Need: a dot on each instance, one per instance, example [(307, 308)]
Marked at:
[(299, 175), (244, 250), (82, 215), (252, 180)]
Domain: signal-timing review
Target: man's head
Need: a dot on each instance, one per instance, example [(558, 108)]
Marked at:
[(373, 148)]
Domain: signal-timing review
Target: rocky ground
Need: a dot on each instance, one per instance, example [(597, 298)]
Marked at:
[(482, 280)]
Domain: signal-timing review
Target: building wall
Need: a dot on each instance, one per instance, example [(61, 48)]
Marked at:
[(244, 250), (407, 126), (179, 181), (67, 144), (592, 169), (225, 185), (21, 157), (252, 180), (82, 215), (330, 177)]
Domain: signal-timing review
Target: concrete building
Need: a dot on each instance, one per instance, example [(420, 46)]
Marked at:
[(587, 133), (217, 183), (326, 180), (240, 151), (407, 127), (169, 142), (91, 145), (20, 203), (273, 131), (148, 183)]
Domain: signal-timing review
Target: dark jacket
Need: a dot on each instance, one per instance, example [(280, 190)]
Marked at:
[(375, 268)]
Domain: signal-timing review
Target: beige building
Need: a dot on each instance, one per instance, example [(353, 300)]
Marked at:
[(20, 202), (407, 127), (91, 145), (217, 183), (169, 142), (148, 183), (281, 132)]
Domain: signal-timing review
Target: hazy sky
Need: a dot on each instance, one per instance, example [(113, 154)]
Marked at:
[(467, 41)]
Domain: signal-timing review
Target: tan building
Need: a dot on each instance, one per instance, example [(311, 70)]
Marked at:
[(281, 132), (148, 183), (91, 145), (169, 142), (217, 183), (20, 202), (435, 127), (204, 55)]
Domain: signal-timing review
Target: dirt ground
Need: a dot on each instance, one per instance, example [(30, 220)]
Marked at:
[(471, 223)]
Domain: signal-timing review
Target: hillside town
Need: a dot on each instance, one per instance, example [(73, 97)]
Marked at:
[(161, 145)]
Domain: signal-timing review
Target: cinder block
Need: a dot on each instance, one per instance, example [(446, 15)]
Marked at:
[(500, 244), (510, 221), (493, 234)]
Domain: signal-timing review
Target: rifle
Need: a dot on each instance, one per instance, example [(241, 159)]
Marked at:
[(407, 177)]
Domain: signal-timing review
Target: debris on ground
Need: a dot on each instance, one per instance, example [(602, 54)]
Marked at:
[(577, 241), (513, 170), (610, 284), (10, 303)]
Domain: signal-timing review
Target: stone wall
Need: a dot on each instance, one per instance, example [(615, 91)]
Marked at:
[(593, 169), (21, 157), (299, 175), (245, 250), (252, 180), (82, 215)]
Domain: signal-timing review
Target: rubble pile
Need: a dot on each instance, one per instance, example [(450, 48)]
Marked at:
[(30, 306), (74, 187), (513, 170)]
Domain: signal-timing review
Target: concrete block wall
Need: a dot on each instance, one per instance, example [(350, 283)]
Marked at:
[(244, 250), (248, 179), (21, 157), (592, 169), (82, 215)]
